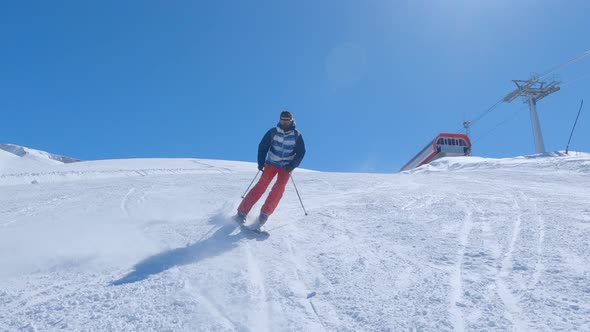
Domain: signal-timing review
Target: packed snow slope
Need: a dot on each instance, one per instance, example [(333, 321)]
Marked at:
[(463, 244)]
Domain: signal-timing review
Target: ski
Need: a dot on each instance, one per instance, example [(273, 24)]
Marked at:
[(258, 232), (243, 227)]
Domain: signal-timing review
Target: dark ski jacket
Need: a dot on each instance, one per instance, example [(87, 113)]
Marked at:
[(281, 148)]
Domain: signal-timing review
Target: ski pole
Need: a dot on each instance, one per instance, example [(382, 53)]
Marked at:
[(244, 195), (297, 191)]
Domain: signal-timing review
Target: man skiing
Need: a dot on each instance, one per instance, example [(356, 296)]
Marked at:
[(280, 151)]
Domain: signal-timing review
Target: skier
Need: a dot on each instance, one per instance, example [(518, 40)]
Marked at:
[(280, 151)]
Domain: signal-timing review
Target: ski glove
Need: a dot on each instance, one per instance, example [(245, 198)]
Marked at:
[(289, 168), (261, 168)]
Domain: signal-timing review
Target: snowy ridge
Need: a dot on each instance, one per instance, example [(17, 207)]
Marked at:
[(467, 244), (113, 169), (35, 154), (14, 170), (555, 161)]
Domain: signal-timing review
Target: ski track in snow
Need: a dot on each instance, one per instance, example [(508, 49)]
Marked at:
[(469, 247), (539, 267), (30, 210), (260, 308), (299, 283), (513, 311), (124, 201), (456, 277)]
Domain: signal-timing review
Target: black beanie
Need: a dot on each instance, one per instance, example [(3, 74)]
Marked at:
[(286, 115)]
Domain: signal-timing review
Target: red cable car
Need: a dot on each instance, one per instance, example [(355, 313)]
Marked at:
[(443, 145)]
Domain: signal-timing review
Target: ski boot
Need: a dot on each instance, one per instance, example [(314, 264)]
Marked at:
[(262, 218), (240, 218)]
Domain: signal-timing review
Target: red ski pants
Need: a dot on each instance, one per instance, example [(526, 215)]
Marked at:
[(275, 193)]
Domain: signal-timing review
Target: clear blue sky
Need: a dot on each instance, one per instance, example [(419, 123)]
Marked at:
[(369, 82)]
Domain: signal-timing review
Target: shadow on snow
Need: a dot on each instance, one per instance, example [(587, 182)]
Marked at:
[(221, 241)]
